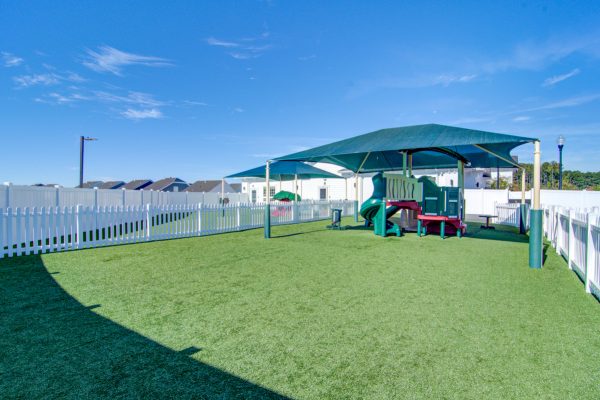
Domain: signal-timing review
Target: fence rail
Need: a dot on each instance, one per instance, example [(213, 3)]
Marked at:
[(34, 230)]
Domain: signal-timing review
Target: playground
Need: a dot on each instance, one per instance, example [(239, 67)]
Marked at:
[(357, 316)]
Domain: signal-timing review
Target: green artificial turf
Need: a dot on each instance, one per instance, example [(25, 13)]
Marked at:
[(311, 313)]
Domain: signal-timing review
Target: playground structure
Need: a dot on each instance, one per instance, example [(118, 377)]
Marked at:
[(425, 147), (436, 209)]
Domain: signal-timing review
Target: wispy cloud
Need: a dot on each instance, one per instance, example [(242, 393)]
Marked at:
[(132, 114), (10, 60), (136, 98), (109, 59), (534, 55), (306, 58), (24, 81), (445, 79), (222, 43), (553, 80), (570, 102), (245, 48), (521, 118)]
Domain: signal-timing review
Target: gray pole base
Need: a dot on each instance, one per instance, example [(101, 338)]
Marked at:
[(355, 210)]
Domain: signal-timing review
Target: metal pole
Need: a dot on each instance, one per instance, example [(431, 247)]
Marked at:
[(497, 175), (560, 168), (356, 187), (535, 230), (222, 190), (268, 203), (522, 207), (295, 187), (81, 145)]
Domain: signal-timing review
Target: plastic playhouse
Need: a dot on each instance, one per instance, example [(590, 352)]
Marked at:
[(437, 209)]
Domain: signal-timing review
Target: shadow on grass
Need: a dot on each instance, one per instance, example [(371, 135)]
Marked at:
[(52, 346)]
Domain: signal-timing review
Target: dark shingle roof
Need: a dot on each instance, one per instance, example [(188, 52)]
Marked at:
[(138, 184), (91, 184), (203, 186), (237, 187), (112, 185), (163, 183)]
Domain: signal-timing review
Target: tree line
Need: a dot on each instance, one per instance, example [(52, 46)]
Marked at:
[(572, 179)]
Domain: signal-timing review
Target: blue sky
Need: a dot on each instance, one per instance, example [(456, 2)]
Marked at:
[(200, 90)]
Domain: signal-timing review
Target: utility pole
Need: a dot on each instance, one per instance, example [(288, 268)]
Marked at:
[(82, 140)]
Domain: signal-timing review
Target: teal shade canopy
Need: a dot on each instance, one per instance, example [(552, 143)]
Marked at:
[(431, 146), (285, 171)]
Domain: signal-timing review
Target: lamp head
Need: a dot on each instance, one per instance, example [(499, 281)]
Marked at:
[(560, 141)]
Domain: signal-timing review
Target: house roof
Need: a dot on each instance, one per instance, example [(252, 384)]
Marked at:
[(137, 184), (112, 185), (90, 184), (164, 183), (203, 186), (237, 187)]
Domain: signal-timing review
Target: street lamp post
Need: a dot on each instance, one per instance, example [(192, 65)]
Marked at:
[(82, 140), (561, 142)]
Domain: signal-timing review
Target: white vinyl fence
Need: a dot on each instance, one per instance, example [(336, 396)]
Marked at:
[(509, 214), (35, 230), (32, 196), (575, 234)]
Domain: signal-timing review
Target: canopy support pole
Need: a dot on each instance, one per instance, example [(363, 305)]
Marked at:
[(461, 189), (523, 207), (268, 203), (506, 160), (410, 157), (222, 190), (535, 216), (356, 187), (404, 163), (295, 187), (345, 188)]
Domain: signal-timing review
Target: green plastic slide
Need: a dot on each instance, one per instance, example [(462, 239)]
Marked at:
[(375, 211)]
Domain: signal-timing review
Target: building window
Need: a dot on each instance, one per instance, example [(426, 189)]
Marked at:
[(271, 192), (254, 196), (323, 193)]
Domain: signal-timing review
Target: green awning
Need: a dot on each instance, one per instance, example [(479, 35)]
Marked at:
[(286, 196), (431, 146), (285, 171)]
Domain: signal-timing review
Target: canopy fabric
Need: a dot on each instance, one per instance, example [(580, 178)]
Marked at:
[(285, 171), (431, 146), (286, 196)]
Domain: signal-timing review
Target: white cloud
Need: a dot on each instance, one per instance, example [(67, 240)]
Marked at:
[(238, 110), (10, 60), (137, 98), (36, 79), (109, 59), (211, 41), (245, 49), (553, 80), (446, 80), (521, 118), (152, 113), (306, 58), (570, 102)]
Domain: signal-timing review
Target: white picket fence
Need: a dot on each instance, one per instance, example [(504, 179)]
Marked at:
[(575, 234), (25, 231), (16, 196), (508, 214)]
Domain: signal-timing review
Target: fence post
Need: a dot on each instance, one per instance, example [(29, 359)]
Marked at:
[(8, 193), (590, 262), (200, 218), (238, 219), (78, 225), (148, 221), (57, 196), (571, 241)]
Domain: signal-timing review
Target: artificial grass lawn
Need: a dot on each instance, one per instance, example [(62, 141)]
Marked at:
[(311, 314)]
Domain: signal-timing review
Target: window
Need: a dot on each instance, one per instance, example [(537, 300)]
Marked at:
[(254, 196), (271, 192), (323, 193)]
